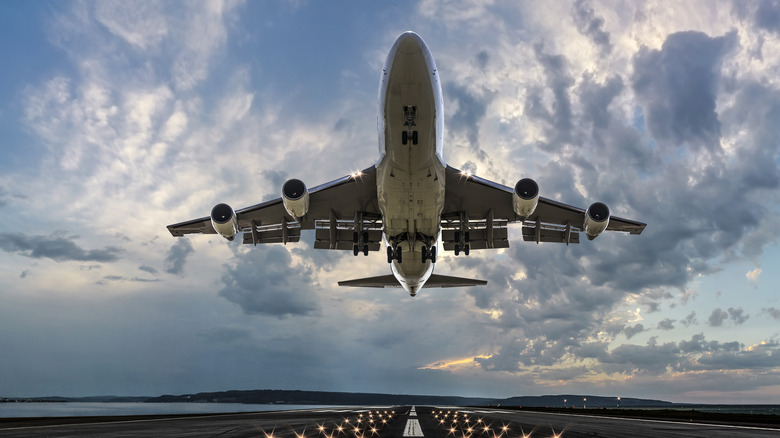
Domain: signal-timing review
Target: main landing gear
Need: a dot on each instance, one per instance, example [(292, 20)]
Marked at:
[(429, 254), (394, 253), (462, 245), (357, 248)]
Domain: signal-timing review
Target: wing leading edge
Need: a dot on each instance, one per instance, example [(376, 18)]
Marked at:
[(486, 204), (334, 202)]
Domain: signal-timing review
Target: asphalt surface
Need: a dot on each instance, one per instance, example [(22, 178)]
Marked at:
[(378, 422)]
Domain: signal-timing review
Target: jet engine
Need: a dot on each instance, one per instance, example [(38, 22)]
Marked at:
[(295, 197), (525, 197), (224, 221), (596, 219)]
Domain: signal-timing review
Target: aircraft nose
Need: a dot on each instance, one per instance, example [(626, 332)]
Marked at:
[(409, 43)]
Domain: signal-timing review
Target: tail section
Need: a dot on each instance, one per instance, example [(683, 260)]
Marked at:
[(433, 281)]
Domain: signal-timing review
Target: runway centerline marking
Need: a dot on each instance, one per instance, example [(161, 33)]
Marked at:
[(413, 428)]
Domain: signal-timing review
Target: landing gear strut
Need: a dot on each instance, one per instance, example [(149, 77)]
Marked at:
[(429, 254), (410, 114), (394, 253)]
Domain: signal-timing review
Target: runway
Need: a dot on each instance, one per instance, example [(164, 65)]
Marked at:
[(378, 422)]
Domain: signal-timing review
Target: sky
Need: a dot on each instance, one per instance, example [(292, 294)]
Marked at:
[(118, 118)]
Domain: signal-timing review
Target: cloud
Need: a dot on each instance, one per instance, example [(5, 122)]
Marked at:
[(717, 317), (677, 87), (266, 281), (633, 330), (666, 324), (177, 256), (773, 312), (148, 269), (590, 25), (737, 315), (469, 112), (752, 276), (55, 247), (690, 319)]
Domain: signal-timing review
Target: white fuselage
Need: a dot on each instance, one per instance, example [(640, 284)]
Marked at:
[(410, 177)]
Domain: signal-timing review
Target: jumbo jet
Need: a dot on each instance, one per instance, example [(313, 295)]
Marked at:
[(410, 200)]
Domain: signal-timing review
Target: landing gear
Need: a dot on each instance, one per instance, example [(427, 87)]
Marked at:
[(466, 248), (406, 135), (429, 254), (357, 250), (410, 114), (394, 253)]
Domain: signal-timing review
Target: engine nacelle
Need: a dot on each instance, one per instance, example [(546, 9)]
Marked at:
[(295, 197), (596, 219), (525, 197), (224, 221)]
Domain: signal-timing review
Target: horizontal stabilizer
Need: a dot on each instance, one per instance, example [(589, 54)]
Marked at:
[(447, 281), (434, 281)]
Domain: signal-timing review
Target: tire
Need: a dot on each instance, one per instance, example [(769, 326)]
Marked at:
[(433, 254), (424, 253), (365, 250), (404, 137), (389, 254), (399, 255), (355, 250), (414, 137), (457, 250), (466, 249)]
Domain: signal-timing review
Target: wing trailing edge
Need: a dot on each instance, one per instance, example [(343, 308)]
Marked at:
[(433, 281)]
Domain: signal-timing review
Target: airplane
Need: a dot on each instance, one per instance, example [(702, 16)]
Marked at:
[(410, 199)]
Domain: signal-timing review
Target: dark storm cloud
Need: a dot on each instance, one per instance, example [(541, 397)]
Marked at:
[(55, 247), (764, 13), (768, 15), (677, 87), (265, 282), (470, 111), (591, 25), (652, 357), (558, 121), (177, 256)]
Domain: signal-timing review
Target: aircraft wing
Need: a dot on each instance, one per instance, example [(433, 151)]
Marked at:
[(483, 201), (333, 209)]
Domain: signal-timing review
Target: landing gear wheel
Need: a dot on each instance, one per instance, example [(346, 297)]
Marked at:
[(354, 237), (466, 249), (433, 254), (355, 250), (414, 137), (365, 236), (390, 254), (457, 250), (404, 137), (424, 253), (365, 250), (399, 254)]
